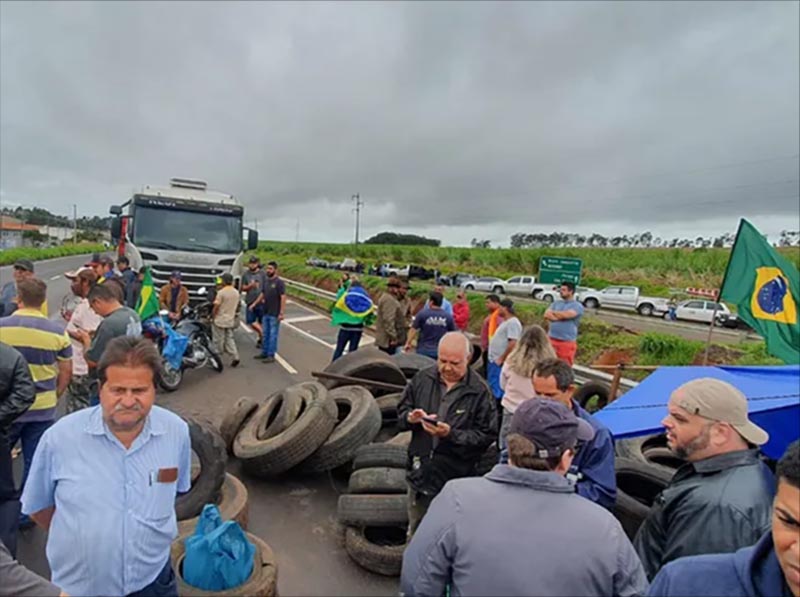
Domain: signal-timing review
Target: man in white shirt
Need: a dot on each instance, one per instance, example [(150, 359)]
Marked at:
[(81, 387)]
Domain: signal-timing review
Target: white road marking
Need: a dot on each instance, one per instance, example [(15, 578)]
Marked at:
[(55, 277), (282, 362), (309, 336), (246, 327), (303, 318)]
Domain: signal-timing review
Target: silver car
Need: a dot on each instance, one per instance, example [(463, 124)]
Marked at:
[(487, 284)]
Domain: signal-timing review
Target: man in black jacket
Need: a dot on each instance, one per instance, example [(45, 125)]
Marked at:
[(451, 414), (17, 393)]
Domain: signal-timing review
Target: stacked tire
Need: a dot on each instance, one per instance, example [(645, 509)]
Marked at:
[(374, 512)]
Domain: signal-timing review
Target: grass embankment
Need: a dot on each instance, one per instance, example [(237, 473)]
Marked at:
[(655, 271), (598, 342), (9, 256)]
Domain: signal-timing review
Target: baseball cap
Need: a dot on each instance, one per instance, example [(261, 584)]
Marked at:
[(176, 275), (253, 259), (25, 264), (551, 426), (719, 401), (95, 260), (75, 273), (508, 304)]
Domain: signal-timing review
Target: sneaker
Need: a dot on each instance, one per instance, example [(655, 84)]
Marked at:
[(235, 363), (259, 357), (269, 360), (258, 343)]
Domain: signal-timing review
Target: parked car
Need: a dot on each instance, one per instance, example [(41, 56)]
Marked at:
[(702, 311), (625, 297), (487, 284), (525, 286), (456, 279), (554, 293), (316, 262)]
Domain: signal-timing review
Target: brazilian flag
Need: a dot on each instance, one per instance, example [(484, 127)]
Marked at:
[(765, 286), (147, 305)]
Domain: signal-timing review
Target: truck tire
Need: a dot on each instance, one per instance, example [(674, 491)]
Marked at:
[(210, 450), (538, 293), (378, 480), (591, 303), (360, 422), (650, 450), (638, 484), (373, 509), (377, 549), (232, 504), (401, 439), (373, 455), (411, 363), (366, 363), (388, 406), (645, 309), (235, 419), (498, 290), (585, 393), (469, 287), (548, 298), (279, 453), (263, 581)]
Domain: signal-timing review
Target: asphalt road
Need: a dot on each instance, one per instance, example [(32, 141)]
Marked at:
[(296, 516)]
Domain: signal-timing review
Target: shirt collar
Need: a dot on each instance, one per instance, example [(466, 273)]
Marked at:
[(97, 426), (541, 480), (30, 312), (715, 464)]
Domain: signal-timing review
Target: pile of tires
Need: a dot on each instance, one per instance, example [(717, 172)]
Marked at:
[(374, 511), (644, 466), (307, 427)]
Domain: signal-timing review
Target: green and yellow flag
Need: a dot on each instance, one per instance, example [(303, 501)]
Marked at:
[(765, 286), (147, 305)]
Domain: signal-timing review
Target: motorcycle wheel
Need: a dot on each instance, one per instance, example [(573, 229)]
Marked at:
[(215, 360), (170, 379)]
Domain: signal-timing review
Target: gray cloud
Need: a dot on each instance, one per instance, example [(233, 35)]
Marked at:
[(446, 117)]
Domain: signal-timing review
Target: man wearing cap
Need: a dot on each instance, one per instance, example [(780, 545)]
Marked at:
[(81, 386), (252, 283), (23, 270), (226, 303), (721, 499), (522, 529), (391, 330), (500, 346), (174, 296)]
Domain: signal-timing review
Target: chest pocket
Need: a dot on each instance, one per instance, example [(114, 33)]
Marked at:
[(158, 501)]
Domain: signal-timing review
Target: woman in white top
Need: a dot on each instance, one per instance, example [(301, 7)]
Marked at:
[(516, 377)]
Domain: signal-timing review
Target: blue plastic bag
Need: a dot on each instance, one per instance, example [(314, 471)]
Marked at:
[(218, 555), (174, 347)]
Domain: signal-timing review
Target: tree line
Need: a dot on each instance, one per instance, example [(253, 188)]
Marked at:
[(393, 238), (645, 240), (38, 216)]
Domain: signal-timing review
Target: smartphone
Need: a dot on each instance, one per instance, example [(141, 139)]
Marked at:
[(430, 420)]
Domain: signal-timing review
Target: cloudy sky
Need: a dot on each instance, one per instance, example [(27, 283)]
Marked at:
[(452, 120)]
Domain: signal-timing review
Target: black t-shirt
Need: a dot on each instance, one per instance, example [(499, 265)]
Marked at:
[(273, 290)]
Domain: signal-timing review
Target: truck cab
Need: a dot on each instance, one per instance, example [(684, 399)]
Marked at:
[(183, 227)]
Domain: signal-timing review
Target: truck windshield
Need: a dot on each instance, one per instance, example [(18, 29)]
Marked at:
[(187, 230)]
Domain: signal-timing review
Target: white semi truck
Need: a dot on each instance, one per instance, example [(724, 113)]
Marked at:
[(183, 227)]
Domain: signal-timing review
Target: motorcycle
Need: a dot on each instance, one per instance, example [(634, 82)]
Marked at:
[(194, 325)]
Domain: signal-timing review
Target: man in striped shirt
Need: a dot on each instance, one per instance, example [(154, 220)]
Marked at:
[(48, 352)]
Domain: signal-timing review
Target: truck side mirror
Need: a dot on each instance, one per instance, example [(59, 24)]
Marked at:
[(252, 240), (116, 228), (115, 210)]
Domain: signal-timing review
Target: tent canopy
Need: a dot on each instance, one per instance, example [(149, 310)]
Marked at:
[(773, 396)]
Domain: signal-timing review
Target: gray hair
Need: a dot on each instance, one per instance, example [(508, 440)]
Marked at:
[(467, 343)]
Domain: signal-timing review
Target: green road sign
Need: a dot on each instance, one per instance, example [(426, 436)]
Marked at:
[(554, 270)]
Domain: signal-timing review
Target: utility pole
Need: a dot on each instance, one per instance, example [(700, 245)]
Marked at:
[(297, 231), (359, 205), (74, 223)]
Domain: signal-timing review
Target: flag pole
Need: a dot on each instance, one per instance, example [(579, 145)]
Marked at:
[(718, 298)]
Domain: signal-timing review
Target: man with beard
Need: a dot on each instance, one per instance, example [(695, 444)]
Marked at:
[(104, 480), (84, 319), (252, 282), (721, 499), (273, 297)]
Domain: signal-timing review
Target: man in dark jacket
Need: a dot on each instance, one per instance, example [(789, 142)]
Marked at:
[(770, 567), (592, 468), (17, 394), (452, 418), (721, 499)]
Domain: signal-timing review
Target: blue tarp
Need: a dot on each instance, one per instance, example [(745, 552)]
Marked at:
[(773, 396)]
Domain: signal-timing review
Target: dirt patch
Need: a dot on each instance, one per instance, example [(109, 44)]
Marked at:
[(718, 355), (614, 356)]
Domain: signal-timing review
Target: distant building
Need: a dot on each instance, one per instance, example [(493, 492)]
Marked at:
[(11, 232)]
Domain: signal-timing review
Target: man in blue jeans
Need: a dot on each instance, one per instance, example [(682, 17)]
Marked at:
[(273, 299)]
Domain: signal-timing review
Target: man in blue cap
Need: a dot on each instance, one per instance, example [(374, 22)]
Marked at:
[(522, 529)]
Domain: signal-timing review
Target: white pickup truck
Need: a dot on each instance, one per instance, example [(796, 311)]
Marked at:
[(625, 297), (525, 286)]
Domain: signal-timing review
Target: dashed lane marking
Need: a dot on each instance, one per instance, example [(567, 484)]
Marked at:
[(278, 358), (55, 277), (304, 318)]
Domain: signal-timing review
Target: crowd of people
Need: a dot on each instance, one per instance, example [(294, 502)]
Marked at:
[(103, 479)]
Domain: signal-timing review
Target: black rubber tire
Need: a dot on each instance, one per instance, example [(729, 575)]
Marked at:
[(498, 290), (216, 360), (374, 555), (277, 454), (388, 431), (645, 310), (638, 484), (373, 509), (477, 354), (359, 427), (411, 363), (373, 455), (388, 406), (210, 450), (488, 460), (171, 382), (378, 480), (591, 303), (232, 504), (588, 390), (235, 419), (638, 448), (366, 363), (663, 457), (263, 581)]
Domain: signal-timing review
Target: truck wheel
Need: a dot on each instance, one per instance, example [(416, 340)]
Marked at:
[(469, 287), (548, 298), (645, 309), (498, 290), (591, 303), (537, 293), (377, 549)]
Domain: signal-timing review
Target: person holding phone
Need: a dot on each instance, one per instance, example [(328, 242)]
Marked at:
[(452, 419)]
